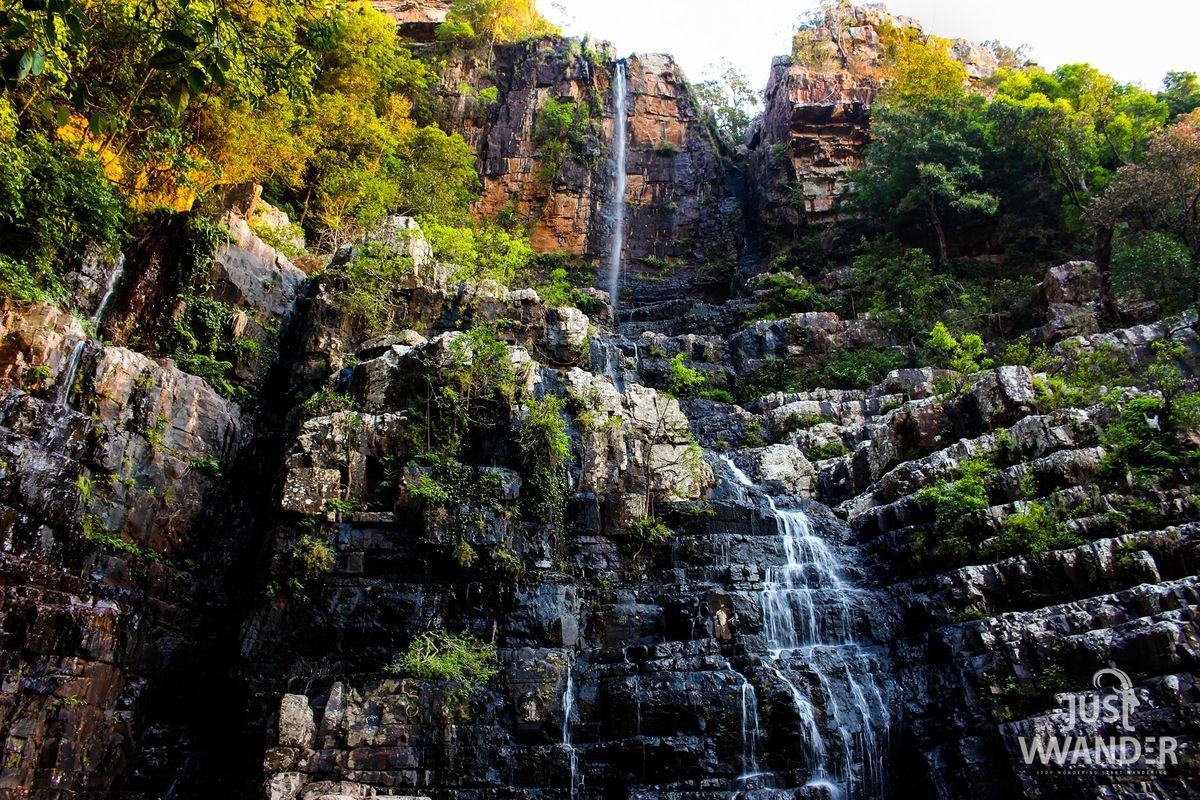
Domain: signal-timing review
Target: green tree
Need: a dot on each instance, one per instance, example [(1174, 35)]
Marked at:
[(53, 204), (925, 160), (921, 67), (729, 102), (1083, 126), (1163, 191), (498, 21), (963, 355), (900, 284), (1159, 267), (1181, 93)]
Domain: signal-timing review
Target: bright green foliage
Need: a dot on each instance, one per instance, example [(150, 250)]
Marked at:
[(322, 403), (95, 531), (198, 335), (844, 369), (499, 21), (457, 658), (1147, 442), (1154, 204), (455, 32), (313, 100), (785, 295), (1081, 123), (52, 204), (855, 369), (454, 497), (964, 356), (372, 283), (313, 556), (545, 452), (564, 130), (957, 503), (198, 340), (1159, 267), (958, 507), (717, 395), (682, 380), (922, 69), (827, 450), (464, 555), (900, 284), (465, 389), (484, 251), (559, 278), (1034, 529), (1023, 353), (925, 163), (648, 531)]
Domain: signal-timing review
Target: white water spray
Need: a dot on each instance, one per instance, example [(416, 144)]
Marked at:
[(808, 623)]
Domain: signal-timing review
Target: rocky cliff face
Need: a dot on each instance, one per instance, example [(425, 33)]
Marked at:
[(170, 556), (683, 216), (813, 130), (697, 596)]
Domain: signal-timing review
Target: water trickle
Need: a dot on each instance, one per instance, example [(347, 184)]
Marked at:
[(66, 381), (617, 214), (97, 317), (750, 731), (71, 368)]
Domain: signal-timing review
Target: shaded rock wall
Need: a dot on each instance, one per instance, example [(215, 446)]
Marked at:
[(110, 592)]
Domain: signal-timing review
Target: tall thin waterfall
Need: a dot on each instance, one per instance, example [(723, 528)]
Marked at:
[(67, 378), (620, 82), (814, 653), (568, 708)]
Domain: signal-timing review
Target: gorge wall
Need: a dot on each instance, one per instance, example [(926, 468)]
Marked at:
[(203, 596), (813, 129), (683, 216)]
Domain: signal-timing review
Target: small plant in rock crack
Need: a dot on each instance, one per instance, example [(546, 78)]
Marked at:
[(314, 557), (647, 531), (335, 505), (458, 659)]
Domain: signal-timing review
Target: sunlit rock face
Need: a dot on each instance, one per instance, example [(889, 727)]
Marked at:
[(735, 592), (813, 131), (683, 219)]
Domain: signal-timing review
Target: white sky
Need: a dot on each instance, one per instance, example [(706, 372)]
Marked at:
[(1136, 42)]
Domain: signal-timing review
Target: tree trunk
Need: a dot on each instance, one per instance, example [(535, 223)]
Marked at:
[(943, 248), (1103, 258)]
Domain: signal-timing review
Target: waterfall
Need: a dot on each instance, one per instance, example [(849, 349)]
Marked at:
[(812, 650), (67, 378), (617, 219), (750, 731), (97, 317), (568, 708)]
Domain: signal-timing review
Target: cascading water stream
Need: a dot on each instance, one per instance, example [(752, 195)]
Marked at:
[(808, 626), (67, 379), (620, 83), (568, 708)]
